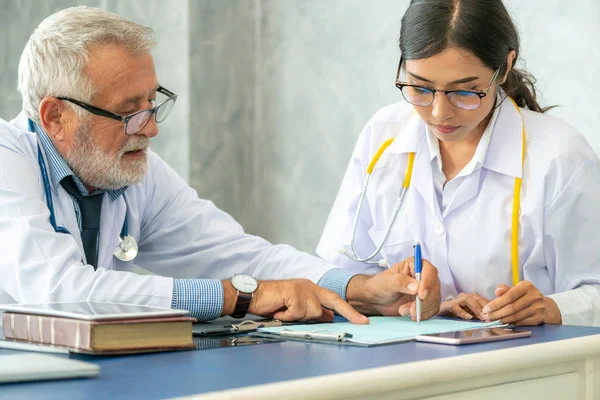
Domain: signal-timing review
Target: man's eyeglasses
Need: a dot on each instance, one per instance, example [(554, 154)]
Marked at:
[(138, 120), (423, 96)]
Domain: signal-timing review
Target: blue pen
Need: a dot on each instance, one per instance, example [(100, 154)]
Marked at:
[(418, 266)]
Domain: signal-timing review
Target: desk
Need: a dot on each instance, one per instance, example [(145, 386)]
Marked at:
[(557, 362)]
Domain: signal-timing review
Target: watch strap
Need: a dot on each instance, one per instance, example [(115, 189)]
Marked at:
[(242, 305)]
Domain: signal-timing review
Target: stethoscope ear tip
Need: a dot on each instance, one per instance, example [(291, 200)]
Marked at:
[(383, 263)]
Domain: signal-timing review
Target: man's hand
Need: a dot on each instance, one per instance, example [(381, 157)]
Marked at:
[(465, 306), (392, 292), (294, 300), (522, 304)]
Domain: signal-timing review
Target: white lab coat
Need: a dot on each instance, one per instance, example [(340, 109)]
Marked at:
[(180, 236), (469, 241)]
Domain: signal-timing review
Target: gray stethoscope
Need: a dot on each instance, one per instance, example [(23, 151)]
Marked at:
[(352, 254), (127, 249)]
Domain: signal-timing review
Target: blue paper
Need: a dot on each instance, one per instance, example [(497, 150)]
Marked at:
[(386, 329)]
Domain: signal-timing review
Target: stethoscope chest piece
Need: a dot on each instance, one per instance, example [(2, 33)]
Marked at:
[(127, 249)]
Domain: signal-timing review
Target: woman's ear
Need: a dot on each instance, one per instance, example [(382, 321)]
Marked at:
[(510, 59)]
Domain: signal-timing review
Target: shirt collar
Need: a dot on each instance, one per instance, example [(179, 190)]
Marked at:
[(482, 147), (58, 168)]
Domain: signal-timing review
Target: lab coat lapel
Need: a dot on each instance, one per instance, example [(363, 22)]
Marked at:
[(421, 180), (412, 139)]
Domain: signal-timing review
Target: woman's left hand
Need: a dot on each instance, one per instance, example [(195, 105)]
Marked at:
[(522, 304)]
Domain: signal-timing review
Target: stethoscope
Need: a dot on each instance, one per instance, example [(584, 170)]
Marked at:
[(352, 254), (127, 249)]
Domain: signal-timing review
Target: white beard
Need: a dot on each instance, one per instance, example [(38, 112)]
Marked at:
[(94, 167)]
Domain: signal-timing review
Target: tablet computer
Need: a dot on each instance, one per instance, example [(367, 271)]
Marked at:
[(474, 336), (93, 311)]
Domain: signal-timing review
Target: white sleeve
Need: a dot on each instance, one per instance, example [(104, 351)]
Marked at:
[(572, 246), (337, 233), (40, 265), (184, 236)]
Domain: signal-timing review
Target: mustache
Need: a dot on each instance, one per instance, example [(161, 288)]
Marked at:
[(134, 144)]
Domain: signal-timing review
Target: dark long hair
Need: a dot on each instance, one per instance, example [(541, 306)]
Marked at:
[(482, 27)]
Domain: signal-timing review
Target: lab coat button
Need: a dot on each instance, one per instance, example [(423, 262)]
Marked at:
[(438, 228)]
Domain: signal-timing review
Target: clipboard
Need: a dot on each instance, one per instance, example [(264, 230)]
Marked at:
[(380, 331), (322, 336)]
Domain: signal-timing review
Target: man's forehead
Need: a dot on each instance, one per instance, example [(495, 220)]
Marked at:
[(120, 75)]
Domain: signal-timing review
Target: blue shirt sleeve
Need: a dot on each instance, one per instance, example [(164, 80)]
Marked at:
[(336, 280), (203, 298)]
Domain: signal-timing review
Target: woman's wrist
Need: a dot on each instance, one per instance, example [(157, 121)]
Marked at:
[(552, 313)]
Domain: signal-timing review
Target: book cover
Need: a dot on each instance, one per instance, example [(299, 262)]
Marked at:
[(101, 337)]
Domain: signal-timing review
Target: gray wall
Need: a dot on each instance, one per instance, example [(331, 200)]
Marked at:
[(291, 83), (18, 19), (273, 93)]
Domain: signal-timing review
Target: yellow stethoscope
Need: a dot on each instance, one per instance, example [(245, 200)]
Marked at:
[(411, 159)]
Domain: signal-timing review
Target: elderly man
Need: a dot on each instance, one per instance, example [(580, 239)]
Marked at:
[(83, 200)]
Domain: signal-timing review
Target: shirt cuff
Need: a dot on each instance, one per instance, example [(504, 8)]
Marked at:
[(203, 298), (574, 308), (336, 280)]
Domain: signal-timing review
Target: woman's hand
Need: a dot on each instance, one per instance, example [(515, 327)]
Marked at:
[(393, 291), (522, 304), (465, 306)]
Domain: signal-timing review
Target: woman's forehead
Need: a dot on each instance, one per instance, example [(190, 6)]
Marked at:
[(447, 66)]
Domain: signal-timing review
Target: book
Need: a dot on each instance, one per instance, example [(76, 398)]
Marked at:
[(117, 336)]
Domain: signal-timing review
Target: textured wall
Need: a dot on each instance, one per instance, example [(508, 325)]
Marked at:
[(18, 19), (272, 143), (273, 93)]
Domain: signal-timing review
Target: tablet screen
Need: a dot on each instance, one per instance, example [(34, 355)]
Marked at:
[(93, 311)]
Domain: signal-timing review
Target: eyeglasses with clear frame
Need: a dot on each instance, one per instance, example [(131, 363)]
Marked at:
[(423, 96), (137, 121)]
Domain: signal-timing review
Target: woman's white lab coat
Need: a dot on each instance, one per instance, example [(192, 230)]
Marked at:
[(469, 240), (180, 236)]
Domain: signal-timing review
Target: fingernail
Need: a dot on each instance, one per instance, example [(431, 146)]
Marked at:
[(425, 294), (404, 312), (486, 310), (413, 287), (468, 316)]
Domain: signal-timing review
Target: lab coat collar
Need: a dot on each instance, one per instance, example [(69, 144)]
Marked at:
[(410, 137), (504, 154)]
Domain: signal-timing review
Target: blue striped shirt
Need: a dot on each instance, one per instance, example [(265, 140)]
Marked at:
[(203, 298)]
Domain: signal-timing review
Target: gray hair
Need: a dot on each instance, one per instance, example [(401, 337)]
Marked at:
[(54, 58)]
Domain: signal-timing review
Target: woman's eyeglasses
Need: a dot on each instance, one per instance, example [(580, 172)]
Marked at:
[(423, 96)]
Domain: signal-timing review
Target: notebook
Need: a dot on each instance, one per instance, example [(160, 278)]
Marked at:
[(31, 366), (381, 330)]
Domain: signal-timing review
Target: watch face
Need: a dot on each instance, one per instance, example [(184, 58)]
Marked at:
[(244, 283)]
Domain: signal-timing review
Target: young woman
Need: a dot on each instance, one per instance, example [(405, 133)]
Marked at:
[(502, 198)]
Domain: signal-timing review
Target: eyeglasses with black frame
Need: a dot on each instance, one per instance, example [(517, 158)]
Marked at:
[(135, 122), (423, 96)]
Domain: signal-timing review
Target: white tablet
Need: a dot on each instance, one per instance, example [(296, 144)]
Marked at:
[(34, 367), (93, 311)]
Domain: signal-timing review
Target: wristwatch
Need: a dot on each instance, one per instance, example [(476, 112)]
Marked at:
[(245, 286)]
